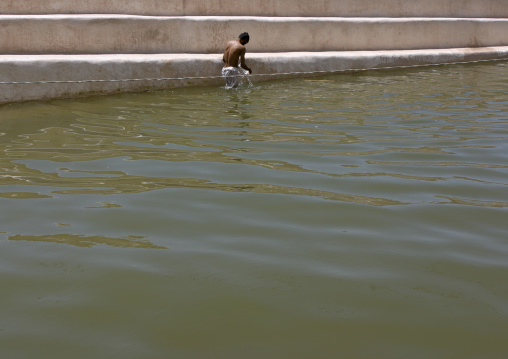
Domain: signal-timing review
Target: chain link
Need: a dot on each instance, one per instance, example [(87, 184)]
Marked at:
[(253, 75)]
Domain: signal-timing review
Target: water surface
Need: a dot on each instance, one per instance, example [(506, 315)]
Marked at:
[(351, 216)]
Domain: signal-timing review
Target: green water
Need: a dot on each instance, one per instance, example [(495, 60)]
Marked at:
[(360, 216)]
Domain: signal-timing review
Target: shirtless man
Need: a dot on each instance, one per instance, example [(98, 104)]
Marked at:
[(234, 53)]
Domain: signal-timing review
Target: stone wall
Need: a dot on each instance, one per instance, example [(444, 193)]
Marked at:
[(108, 34), (60, 48), (319, 8)]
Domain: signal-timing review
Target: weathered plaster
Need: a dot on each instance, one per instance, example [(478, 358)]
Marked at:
[(64, 40), (318, 8), (138, 66), (99, 34)]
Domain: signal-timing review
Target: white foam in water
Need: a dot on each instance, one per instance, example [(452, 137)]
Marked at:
[(242, 74)]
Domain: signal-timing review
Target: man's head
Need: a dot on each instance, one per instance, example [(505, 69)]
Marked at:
[(244, 38)]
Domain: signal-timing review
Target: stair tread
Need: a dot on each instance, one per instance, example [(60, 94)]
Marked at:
[(239, 18), (257, 55)]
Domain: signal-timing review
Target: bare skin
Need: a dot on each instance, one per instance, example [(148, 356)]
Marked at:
[(234, 54)]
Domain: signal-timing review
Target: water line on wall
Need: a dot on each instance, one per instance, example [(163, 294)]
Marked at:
[(323, 72)]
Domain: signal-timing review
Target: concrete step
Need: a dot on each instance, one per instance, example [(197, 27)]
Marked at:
[(315, 8), (102, 34), (41, 77)]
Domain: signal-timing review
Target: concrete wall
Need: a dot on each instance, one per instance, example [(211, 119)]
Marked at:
[(76, 70), (328, 8), (96, 34), (62, 48)]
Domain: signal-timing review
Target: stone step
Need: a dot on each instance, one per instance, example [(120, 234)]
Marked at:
[(41, 77), (102, 34), (315, 8)]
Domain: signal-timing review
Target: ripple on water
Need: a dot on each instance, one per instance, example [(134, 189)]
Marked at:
[(358, 214)]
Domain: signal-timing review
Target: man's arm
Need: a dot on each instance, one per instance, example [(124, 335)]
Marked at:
[(242, 61)]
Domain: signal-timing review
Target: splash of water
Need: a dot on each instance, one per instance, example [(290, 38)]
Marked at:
[(245, 75), (236, 78)]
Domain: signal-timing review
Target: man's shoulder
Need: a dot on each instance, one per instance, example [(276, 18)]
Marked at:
[(239, 47), (235, 44)]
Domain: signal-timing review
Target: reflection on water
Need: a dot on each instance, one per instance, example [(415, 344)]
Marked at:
[(88, 241), (359, 216)]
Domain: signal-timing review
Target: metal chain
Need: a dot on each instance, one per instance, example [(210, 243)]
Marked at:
[(253, 75)]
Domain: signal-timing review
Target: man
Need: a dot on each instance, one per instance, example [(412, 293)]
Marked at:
[(235, 53)]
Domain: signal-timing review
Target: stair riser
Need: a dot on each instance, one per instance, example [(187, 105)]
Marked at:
[(115, 67), (389, 8), (134, 34)]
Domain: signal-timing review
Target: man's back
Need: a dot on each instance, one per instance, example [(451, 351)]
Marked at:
[(234, 50)]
